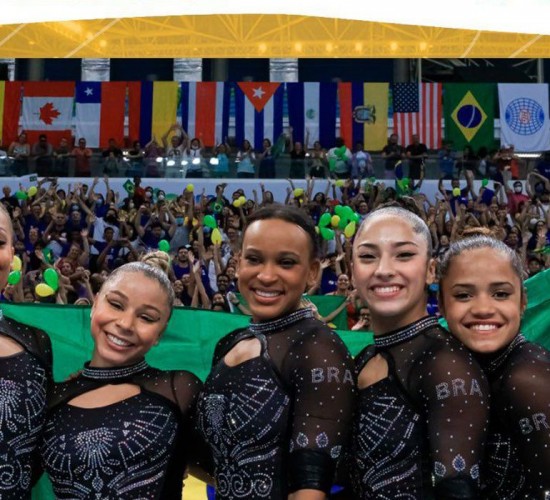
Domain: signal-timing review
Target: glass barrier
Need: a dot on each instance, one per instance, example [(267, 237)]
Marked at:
[(209, 167)]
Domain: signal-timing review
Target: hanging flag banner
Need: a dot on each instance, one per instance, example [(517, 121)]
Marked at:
[(99, 112), (417, 109), (10, 109), (312, 112), (47, 109), (364, 114), (205, 111), (524, 119), (258, 112), (469, 112)]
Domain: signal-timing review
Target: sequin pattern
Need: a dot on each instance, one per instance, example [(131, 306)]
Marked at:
[(296, 396), (423, 423)]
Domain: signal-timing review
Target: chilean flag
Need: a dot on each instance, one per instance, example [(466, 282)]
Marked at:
[(205, 111), (258, 112), (99, 112), (47, 109)]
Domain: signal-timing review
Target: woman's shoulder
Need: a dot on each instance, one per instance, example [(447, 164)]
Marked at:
[(528, 365)]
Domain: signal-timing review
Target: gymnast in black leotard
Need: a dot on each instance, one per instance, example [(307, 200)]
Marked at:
[(482, 298), (121, 428), (422, 410), (277, 405), (25, 378)]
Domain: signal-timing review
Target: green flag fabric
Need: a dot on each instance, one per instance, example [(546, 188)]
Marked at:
[(469, 112)]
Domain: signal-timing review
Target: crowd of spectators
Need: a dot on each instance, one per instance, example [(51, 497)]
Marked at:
[(89, 230)]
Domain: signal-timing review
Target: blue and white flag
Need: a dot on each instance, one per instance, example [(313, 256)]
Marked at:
[(524, 121), (258, 112), (312, 108)]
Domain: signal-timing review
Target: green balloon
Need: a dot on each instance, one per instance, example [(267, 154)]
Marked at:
[(14, 277), (21, 195), (343, 222), (339, 210), (324, 220), (348, 212), (355, 217), (51, 278), (210, 221), (48, 256), (164, 246), (484, 182), (327, 233)]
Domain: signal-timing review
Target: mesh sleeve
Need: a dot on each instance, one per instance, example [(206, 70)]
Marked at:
[(319, 373), (524, 401), (454, 396)]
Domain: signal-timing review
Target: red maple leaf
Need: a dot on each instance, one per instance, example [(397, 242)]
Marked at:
[(48, 113)]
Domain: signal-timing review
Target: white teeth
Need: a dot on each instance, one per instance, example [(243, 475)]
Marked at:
[(386, 289), (484, 328), (117, 341), (263, 293)]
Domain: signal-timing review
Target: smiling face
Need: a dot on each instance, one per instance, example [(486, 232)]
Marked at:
[(275, 268), (128, 318), (482, 299), (391, 270)]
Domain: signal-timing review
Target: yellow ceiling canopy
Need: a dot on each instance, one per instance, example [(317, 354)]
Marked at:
[(206, 28)]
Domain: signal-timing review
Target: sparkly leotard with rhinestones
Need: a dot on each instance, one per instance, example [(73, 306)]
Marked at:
[(25, 378), (518, 445), (419, 432), (135, 448), (276, 423)]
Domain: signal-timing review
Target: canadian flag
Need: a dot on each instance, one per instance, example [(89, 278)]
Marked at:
[(47, 109)]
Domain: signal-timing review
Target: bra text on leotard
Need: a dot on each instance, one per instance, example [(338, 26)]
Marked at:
[(331, 374), (458, 387), (540, 421)]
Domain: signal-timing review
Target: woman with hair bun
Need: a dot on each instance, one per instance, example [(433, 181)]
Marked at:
[(483, 299), (120, 429)]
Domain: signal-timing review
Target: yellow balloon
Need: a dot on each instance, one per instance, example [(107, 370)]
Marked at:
[(32, 191), (216, 237), (16, 263), (298, 192), (190, 188), (43, 290), (349, 230), (335, 220), (186, 220), (339, 183), (242, 199), (237, 203)]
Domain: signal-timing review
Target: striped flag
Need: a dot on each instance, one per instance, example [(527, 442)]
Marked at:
[(48, 109), (417, 109), (205, 111), (10, 108), (364, 114), (152, 109), (258, 112), (99, 112), (312, 108)]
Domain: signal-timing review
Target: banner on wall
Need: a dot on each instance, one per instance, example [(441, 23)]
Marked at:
[(417, 109), (47, 109), (258, 112), (205, 111), (364, 114), (469, 110), (312, 112), (99, 112), (524, 121), (10, 109)]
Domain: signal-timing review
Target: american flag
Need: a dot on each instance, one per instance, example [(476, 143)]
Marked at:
[(417, 109)]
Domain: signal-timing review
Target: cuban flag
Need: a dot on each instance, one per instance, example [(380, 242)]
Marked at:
[(205, 111), (258, 112), (524, 119), (99, 112), (312, 108)]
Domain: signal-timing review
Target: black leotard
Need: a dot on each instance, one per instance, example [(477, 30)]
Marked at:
[(135, 448), (25, 379), (277, 423), (419, 432)]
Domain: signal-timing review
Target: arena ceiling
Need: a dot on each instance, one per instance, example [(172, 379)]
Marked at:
[(243, 28)]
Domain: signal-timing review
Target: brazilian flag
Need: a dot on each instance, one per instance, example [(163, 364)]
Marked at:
[(469, 110)]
